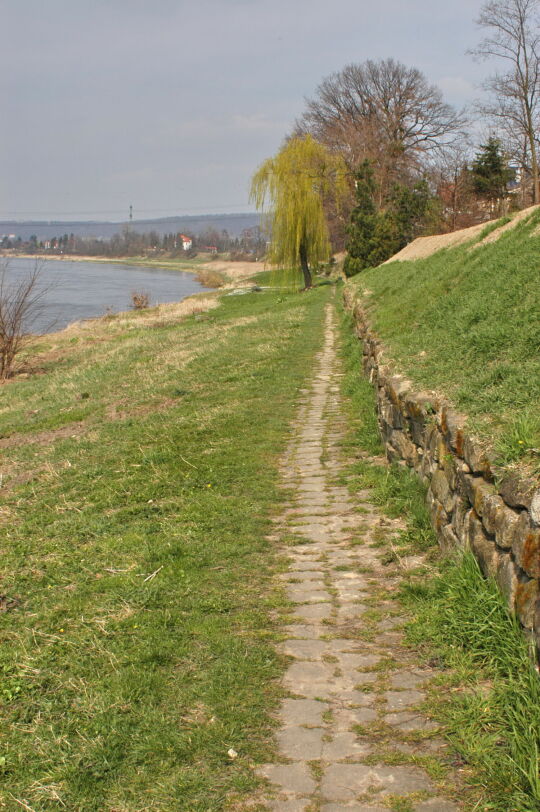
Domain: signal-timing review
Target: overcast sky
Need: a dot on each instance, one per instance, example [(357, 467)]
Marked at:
[(170, 105)]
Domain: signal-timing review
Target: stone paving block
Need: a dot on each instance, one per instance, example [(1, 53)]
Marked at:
[(309, 548), (344, 782), (408, 721), (354, 660), (360, 677), (398, 700), (316, 488), (352, 807), (344, 745), (347, 645), (301, 742), (313, 612), (353, 578), (293, 805), (304, 593), (304, 631), (309, 679), (302, 712), (291, 778), (345, 718), (350, 613), (305, 565), (311, 576), (436, 805), (352, 698), (304, 649), (351, 599), (408, 680), (315, 532)]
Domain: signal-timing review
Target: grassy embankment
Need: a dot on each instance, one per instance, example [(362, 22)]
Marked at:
[(139, 471), (465, 322), (488, 695)]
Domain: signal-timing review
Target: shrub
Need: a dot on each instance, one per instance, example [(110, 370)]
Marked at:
[(352, 266), (20, 302), (140, 299), (210, 279)]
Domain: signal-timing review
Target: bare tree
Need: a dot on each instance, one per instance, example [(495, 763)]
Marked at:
[(451, 177), (385, 112), (20, 302), (514, 38)]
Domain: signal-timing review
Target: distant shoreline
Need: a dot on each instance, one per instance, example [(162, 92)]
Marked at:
[(135, 261)]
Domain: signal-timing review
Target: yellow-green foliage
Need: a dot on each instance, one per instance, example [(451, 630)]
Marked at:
[(295, 183)]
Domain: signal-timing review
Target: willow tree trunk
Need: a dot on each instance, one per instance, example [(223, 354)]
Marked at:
[(305, 267)]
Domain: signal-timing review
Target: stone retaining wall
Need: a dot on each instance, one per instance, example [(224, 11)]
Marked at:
[(472, 505)]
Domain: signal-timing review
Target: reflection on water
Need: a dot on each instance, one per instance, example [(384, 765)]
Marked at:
[(82, 290)]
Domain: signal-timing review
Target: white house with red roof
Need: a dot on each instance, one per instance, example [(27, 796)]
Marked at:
[(187, 242)]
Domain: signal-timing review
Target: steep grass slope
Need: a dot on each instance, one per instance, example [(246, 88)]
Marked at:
[(466, 322)]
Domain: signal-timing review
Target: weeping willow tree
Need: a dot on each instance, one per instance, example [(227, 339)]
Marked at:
[(297, 184)]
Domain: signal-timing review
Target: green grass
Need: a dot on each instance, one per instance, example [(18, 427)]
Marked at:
[(465, 322), (137, 649), (394, 488), (487, 698)]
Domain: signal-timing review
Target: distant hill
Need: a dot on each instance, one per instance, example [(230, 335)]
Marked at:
[(193, 224)]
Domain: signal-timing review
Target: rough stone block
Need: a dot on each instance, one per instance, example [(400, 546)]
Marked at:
[(517, 491), (526, 545), (405, 448), (534, 509), (391, 414), (448, 539), (452, 465), (452, 426), (506, 526), (430, 436), (418, 405), (507, 580), (391, 454), (464, 485), (476, 456), (527, 596), (396, 387), (441, 448), (461, 509), (483, 548), (481, 490), (493, 512), (442, 491), (417, 429), (427, 467), (439, 517)]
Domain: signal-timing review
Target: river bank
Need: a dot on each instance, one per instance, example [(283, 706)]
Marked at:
[(77, 291), (232, 270)]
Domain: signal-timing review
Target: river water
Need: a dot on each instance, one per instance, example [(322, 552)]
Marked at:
[(80, 290)]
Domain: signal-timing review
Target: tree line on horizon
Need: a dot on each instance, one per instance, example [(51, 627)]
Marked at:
[(251, 244), (378, 157)]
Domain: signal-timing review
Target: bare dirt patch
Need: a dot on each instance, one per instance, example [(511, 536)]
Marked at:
[(424, 247), (43, 437)]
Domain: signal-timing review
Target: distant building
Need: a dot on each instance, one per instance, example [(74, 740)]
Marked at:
[(211, 249), (187, 242)]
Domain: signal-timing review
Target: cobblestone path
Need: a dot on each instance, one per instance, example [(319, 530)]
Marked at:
[(352, 736)]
